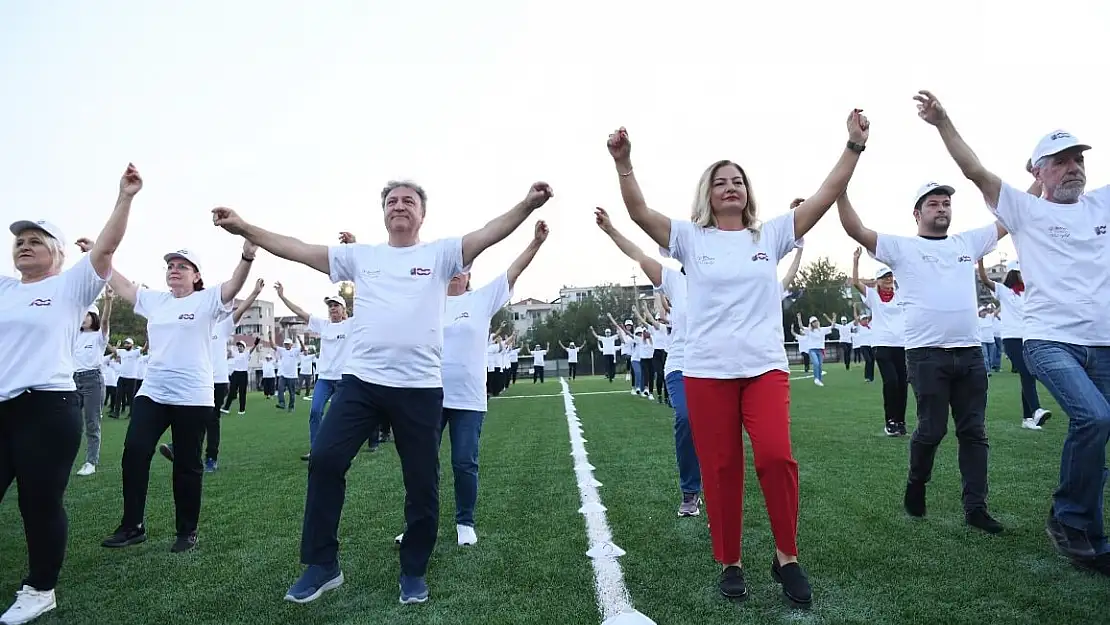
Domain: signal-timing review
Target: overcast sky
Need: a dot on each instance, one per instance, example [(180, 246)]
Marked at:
[(297, 113)]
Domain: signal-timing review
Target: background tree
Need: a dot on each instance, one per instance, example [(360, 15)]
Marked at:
[(822, 289), (124, 322), (502, 315), (347, 292)]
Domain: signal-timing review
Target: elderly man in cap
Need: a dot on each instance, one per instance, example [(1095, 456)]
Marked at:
[(1061, 237), (288, 355), (944, 357)]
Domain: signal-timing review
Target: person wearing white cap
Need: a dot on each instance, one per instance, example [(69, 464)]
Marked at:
[(861, 342), (269, 375), (41, 313), (1062, 239), (737, 374), (177, 393), (607, 341), (129, 356), (631, 341), (288, 356), (811, 337), (986, 334), (539, 367), (1011, 294), (88, 356), (239, 373), (306, 365), (886, 331), (672, 283), (945, 361), (844, 337), (394, 374), (335, 350)]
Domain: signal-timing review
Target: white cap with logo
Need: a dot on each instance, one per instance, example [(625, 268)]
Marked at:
[(1054, 143), (930, 188), (192, 257), (882, 271), (40, 224)]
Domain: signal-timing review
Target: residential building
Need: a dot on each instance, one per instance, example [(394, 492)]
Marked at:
[(529, 312), (257, 321)]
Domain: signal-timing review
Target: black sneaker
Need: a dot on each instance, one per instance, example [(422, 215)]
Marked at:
[(1069, 542), (979, 519), (902, 429), (166, 451), (794, 581), (731, 583), (125, 537), (306, 457), (184, 543), (1099, 564), (891, 428), (914, 501)]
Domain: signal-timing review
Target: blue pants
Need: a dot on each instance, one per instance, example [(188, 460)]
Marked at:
[(286, 384), (320, 395), (996, 364), (816, 357), (637, 375), (689, 471), (988, 353), (1079, 378), (465, 427)]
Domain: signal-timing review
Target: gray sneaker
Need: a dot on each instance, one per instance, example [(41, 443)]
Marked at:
[(691, 505)]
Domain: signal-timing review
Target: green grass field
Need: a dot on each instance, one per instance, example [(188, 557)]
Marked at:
[(869, 562)]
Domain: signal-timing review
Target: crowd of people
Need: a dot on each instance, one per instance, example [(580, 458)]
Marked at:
[(421, 358)]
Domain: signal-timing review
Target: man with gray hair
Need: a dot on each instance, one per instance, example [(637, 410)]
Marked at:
[(393, 373), (1061, 237)]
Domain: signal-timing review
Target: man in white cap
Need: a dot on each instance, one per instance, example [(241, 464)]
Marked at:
[(944, 358), (288, 356), (1061, 237)]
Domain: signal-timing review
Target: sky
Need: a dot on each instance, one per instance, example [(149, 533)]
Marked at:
[(296, 114)]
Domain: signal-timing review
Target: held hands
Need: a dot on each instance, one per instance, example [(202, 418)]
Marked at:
[(620, 147), (346, 238), (280, 289), (538, 195), (601, 217), (86, 244), (929, 108), (249, 249), (131, 182), (228, 220), (541, 232), (858, 127)]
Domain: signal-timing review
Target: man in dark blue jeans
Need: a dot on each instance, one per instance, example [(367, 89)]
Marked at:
[(944, 359), (1061, 235), (393, 374)]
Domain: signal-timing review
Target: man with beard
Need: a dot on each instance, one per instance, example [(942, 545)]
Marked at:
[(944, 360), (1061, 237)]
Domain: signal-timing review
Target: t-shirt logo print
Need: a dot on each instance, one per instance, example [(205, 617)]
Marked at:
[(186, 317), (1100, 230), (760, 256), (964, 259), (38, 301), (420, 271)]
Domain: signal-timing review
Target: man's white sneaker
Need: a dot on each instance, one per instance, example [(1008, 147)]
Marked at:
[(241, 413), (466, 535), (818, 382), (29, 605), (87, 469), (223, 410), (1030, 424), (649, 396), (399, 538), (633, 392), (1040, 416)]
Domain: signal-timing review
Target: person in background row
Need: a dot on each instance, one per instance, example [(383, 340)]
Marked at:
[(306, 366), (41, 314), (986, 333), (88, 356), (177, 393), (844, 339), (287, 357), (128, 375), (631, 339), (109, 368), (538, 367), (269, 375), (607, 343), (661, 333), (514, 360), (862, 340), (239, 374), (887, 334), (572, 358), (815, 336)]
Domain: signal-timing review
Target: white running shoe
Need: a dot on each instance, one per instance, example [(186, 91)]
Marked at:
[(29, 605), (399, 538), (1030, 424), (1040, 416), (466, 535), (818, 382), (86, 469)]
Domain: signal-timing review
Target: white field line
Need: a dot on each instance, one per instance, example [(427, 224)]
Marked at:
[(613, 600), (558, 395)]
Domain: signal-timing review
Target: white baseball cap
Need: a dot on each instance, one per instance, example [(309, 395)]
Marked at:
[(40, 224), (288, 341), (240, 343), (932, 187), (187, 255), (1055, 142), (1013, 266), (627, 322), (812, 319), (843, 318), (335, 299), (94, 310), (882, 271)]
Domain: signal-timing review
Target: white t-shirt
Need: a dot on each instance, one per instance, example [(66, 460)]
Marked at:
[(986, 329), (466, 324), (734, 312), (674, 287), (844, 330), (1012, 312), (110, 370), (493, 355), (218, 344), (537, 357), (888, 323), (630, 345), (660, 337), (39, 323), (89, 351), (937, 280), (1065, 256), (240, 360), (335, 347), (287, 361), (572, 355), (514, 355), (813, 338), (862, 336), (179, 330), (269, 370), (647, 347), (305, 364), (996, 323), (608, 344), (129, 363), (141, 365), (400, 295)]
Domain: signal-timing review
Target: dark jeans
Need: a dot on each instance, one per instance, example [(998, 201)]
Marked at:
[(237, 385), (125, 395), (610, 366), (187, 425), (846, 355), (357, 409), (40, 433), (892, 367), (268, 387), (286, 384), (321, 393), (647, 374), (573, 367), (212, 428), (1079, 378), (955, 378), (868, 363), (660, 381), (1030, 402), (512, 371), (537, 374)]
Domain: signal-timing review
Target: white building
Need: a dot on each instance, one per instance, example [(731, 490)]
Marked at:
[(529, 312)]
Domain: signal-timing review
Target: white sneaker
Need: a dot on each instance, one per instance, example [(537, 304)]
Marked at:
[(649, 396), (1030, 424), (86, 469), (633, 392), (466, 535), (1040, 416), (241, 413), (223, 411), (29, 605), (818, 382), (399, 538)]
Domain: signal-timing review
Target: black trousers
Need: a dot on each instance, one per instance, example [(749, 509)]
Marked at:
[(513, 370), (892, 367), (805, 361), (187, 425), (493, 382), (268, 386), (647, 370), (356, 410), (212, 428), (237, 387), (660, 385), (846, 355), (40, 433), (125, 394), (537, 373), (951, 378), (573, 366), (610, 366), (868, 362)]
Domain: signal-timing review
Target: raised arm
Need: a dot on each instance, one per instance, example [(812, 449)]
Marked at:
[(655, 224), (231, 288), (289, 248), (856, 282), (853, 225), (246, 304), (521, 263), (123, 287), (106, 314), (496, 230), (297, 310), (651, 267), (809, 212), (983, 277), (793, 270), (110, 236), (930, 110)]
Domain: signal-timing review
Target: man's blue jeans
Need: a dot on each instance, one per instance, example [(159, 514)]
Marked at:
[(817, 358), (465, 428), (322, 392), (689, 470), (637, 376), (1079, 378), (988, 354)]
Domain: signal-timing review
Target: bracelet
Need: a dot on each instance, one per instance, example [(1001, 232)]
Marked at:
[(627, 173), (858, 148), (247, 260)]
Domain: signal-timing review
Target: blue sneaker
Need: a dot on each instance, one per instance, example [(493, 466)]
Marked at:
[(210, 466), (413, 589), (315, 581)]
